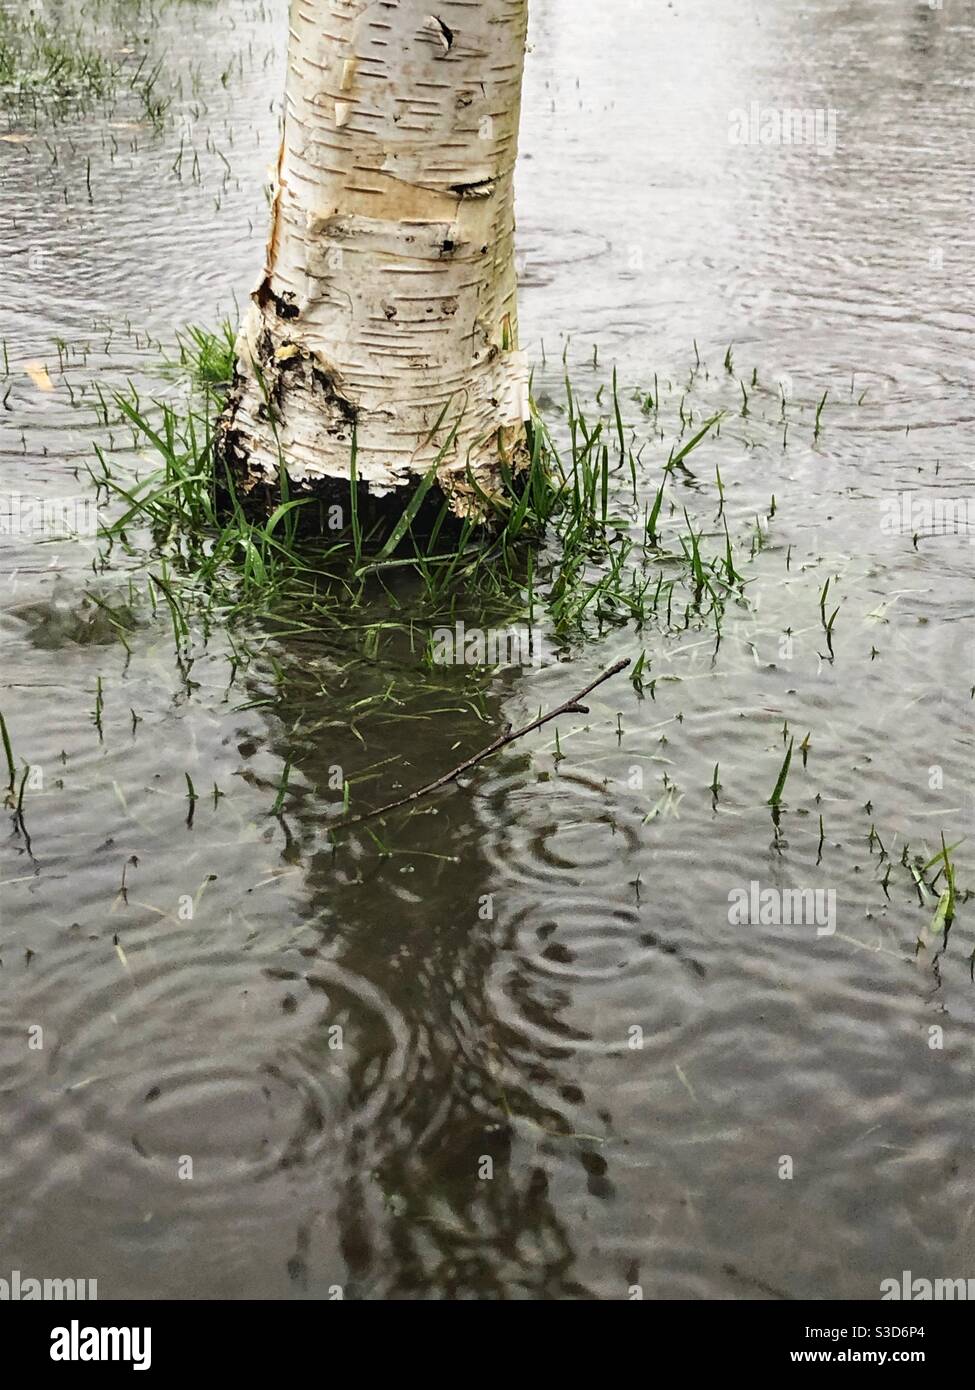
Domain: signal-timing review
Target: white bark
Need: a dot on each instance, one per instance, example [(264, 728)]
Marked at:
[(389, 290)]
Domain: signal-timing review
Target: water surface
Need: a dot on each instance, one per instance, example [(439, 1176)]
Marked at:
[(541, 972)]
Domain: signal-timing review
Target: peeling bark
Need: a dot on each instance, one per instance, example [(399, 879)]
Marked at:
[(388, 298)]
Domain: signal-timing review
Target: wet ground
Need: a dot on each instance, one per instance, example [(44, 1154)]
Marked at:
[(517, 1045)]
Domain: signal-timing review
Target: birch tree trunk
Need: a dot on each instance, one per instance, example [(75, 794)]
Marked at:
[(388, 298)]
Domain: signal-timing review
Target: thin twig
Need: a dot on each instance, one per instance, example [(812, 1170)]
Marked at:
[(572, 706)]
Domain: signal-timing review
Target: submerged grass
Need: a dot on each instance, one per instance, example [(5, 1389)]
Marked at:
[(9, 756), (67, 67), (586, 540), (206, 358), (566, 537), (611, 526), (36, 57), (775, 800)]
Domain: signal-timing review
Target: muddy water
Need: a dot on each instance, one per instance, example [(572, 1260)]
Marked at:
[(519, 1048)]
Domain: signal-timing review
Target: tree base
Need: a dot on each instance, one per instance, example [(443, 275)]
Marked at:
[(291, 411), (245, 480)]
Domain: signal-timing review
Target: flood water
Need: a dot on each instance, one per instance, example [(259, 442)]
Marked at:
[(516, 1048)]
